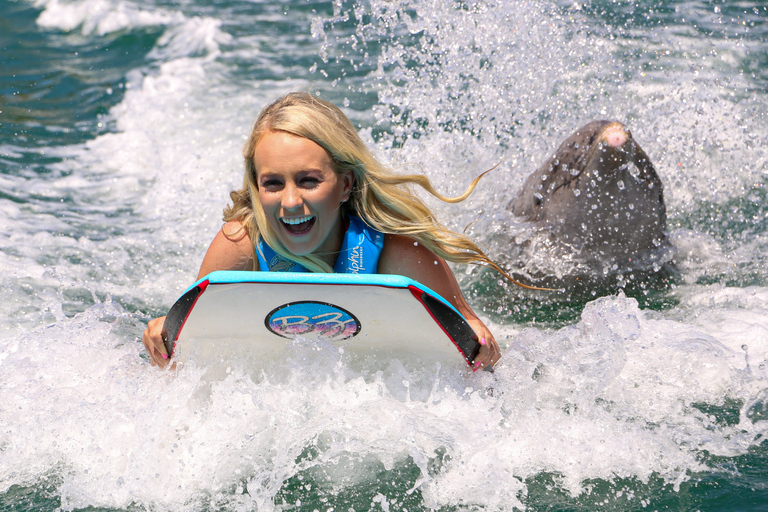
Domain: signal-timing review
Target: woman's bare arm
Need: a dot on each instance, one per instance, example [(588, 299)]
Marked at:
[(230, 250), (406, 257)]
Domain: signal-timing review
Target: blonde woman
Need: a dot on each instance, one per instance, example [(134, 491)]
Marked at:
[(315, 199)]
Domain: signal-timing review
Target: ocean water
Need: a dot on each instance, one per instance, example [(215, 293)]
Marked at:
[(121, 123)]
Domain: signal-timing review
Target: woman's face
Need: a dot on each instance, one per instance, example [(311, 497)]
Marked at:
[(301, 194)]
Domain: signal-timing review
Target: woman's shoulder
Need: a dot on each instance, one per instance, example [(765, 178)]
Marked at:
[(394, 242), (406, 256), (236, 232), (231, 249), (402, 255)]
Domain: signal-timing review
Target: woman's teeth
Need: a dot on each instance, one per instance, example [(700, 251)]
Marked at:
[(296, 220), (299, 225)]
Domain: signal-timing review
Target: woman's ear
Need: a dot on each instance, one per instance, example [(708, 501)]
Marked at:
[(349, 184)]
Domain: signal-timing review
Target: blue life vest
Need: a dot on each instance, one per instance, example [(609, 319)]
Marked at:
[(359, 254)]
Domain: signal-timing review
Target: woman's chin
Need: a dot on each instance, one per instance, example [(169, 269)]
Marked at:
[(299, 245)]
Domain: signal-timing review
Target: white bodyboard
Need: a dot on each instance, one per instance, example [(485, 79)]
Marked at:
[(253, 315)]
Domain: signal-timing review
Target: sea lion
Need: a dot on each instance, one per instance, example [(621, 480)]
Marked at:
[(599, 197)]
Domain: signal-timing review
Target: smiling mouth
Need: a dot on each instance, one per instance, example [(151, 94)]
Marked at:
[(298, 225)]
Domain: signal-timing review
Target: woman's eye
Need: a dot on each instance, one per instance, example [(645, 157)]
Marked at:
[(271, 184), (309, 181)]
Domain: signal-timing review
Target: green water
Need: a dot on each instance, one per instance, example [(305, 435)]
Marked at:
[(131, 105)]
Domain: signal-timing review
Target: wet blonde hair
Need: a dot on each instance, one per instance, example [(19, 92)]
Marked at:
[(380, 198)]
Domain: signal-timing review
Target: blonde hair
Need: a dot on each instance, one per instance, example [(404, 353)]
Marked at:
[(380, 198)]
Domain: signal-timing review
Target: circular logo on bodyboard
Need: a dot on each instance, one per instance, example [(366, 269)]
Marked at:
[(312, 320)]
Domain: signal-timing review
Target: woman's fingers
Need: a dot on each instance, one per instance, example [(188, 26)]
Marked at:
[(154, 342), (489, 352), (486, 358)]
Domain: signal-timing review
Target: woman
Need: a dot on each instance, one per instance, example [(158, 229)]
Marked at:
[(309, 182)]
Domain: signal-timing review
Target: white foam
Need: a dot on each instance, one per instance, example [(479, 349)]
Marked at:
[(164, 175), (182, 37), (101, 16), (196, 36), (612, 396)]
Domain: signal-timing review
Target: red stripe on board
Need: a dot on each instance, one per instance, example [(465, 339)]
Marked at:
[(203, 285), (416, 292)]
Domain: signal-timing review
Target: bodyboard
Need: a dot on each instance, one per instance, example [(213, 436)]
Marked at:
[(255, 314)]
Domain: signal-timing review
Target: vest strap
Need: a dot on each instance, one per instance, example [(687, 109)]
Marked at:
[(359, 254)]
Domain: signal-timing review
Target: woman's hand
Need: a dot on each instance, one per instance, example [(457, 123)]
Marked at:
[(153, 339), (489, 350)]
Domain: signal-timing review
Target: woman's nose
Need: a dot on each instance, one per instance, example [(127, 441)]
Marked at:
[(291, 199)]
